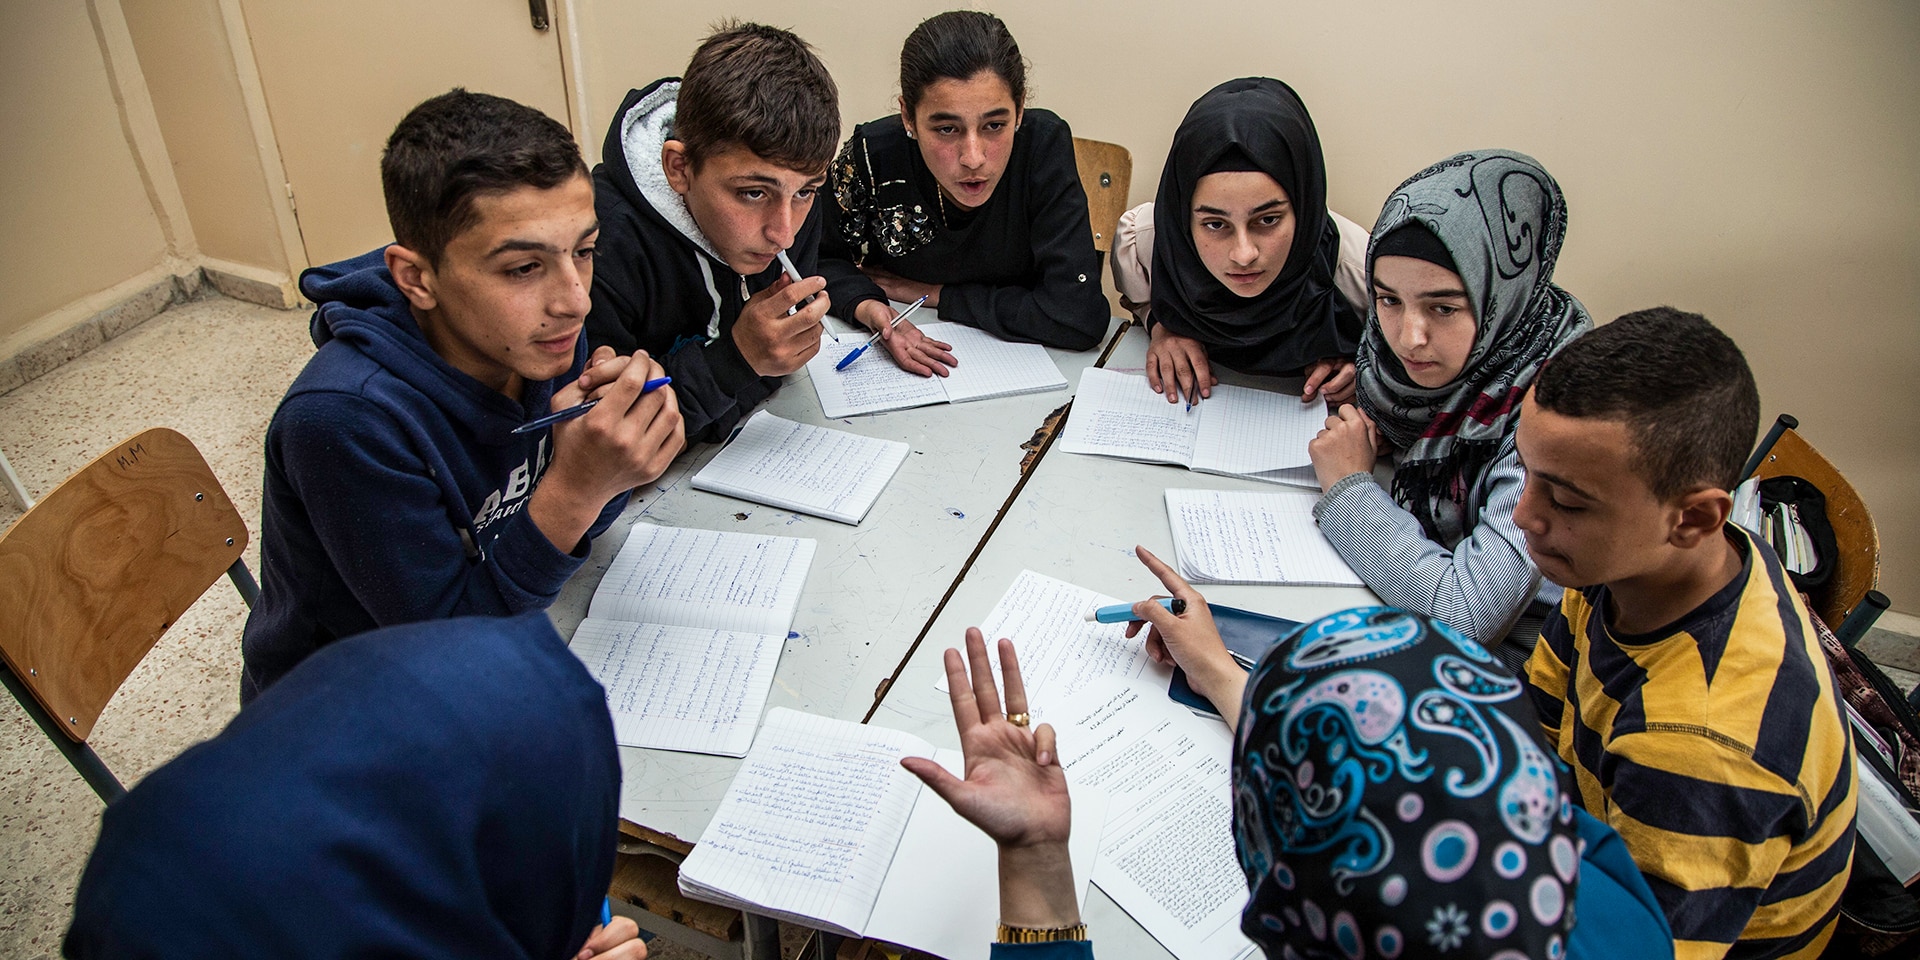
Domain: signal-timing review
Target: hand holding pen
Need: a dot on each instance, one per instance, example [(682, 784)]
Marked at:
[(1189, 639), (854, 354), (793, 273), (562, 416)]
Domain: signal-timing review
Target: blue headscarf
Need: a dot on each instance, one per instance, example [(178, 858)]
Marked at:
[(1391, 798), (444, 789)]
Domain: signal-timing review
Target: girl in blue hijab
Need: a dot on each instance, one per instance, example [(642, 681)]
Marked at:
[(445, 789)]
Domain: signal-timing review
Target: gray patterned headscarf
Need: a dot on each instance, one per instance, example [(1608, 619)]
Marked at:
[(1502, 218)]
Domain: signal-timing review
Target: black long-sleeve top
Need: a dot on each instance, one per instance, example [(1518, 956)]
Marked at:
[(1022, 266)]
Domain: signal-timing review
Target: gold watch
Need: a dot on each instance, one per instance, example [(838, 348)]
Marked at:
[(1030, 935)]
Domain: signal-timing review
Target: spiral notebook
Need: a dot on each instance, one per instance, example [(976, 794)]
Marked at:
[(820, 471)]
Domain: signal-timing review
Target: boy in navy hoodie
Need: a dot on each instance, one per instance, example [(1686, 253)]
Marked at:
[(396, 490), (705, 181)]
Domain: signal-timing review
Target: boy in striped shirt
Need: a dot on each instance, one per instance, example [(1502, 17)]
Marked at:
[(1680, 677)]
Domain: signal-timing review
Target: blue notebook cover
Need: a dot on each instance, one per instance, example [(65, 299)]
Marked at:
[(1247, 633)]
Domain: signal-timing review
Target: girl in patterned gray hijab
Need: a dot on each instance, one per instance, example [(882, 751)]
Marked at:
[(1499, 218)]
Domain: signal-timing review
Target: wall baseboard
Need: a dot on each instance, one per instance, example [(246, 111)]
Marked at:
[(67, 333)]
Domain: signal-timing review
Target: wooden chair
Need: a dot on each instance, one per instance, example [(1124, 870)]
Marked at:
[(1106, 171), (1784, 453), (93, 574)]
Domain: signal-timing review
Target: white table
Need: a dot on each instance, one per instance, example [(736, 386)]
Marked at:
[(1077, 519), (872, 587)]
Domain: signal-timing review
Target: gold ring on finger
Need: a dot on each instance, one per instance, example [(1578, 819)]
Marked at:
[(1018, 719)]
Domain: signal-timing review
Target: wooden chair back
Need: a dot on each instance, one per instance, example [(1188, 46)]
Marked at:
[(102, 566), (1857, 568), (1106, 172)]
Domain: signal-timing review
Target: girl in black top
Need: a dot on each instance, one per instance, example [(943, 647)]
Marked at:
[(964, 196)]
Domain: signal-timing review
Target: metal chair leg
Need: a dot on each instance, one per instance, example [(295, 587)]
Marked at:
[(1860, 619), (1781, 424), (14, 486), (84, 760), (243, 581)]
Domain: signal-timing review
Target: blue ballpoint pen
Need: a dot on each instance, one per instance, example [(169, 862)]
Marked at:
[(606, 912), (857, 351), (562, 416), (1123, 612)]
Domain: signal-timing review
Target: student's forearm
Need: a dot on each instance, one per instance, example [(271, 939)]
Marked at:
[(1037, 888)]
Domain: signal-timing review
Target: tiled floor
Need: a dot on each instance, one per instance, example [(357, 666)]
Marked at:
[(214, 370)]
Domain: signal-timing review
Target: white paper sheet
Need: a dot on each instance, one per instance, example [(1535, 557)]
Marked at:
[(1059, 650), (809, 825), (705, 578), (816, 470), (681, 688), (1167, 854), (1243, 536)]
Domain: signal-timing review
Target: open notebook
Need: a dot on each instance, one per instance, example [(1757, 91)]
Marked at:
[(685, 632), (1237, 432), (988, 367), (822, 826), (815, 470), (1242, 536)]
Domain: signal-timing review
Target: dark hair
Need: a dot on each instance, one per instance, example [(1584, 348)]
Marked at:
[(459, 146), (1682, 387), (762, 88), (956, 45)]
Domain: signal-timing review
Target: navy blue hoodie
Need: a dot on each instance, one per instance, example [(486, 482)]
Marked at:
[(394, 491), (448, 789)]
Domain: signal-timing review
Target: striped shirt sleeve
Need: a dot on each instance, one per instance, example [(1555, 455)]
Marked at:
[(1480, 587)]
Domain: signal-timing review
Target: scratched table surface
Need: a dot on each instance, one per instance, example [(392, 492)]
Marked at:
[(1077, 519), (872, 587)]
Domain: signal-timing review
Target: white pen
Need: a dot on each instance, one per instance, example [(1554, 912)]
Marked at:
[(793, 273)]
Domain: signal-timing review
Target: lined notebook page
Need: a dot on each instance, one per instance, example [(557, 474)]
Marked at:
[(680, 688), (705, 578), (809, 825), (1239, 536), (1249, 432), (824, 472), (1118, 415), (871, 384), (991, 367), (1060, 651)]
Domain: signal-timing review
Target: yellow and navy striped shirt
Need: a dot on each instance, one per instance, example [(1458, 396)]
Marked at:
[(1719, 749)]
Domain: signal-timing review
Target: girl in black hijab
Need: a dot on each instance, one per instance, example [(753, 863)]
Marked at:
[(1246, 260)]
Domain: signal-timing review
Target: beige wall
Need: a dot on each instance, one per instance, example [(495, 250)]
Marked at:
[(77, 218), (196, 88), (1753, 161)]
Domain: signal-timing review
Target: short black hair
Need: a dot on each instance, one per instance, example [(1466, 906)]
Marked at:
[(458, 146), (956, 45), (761, 88), (1682, 387)]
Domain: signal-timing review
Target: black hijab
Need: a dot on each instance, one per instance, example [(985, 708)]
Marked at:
[(1302, 316), (445, 789)]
